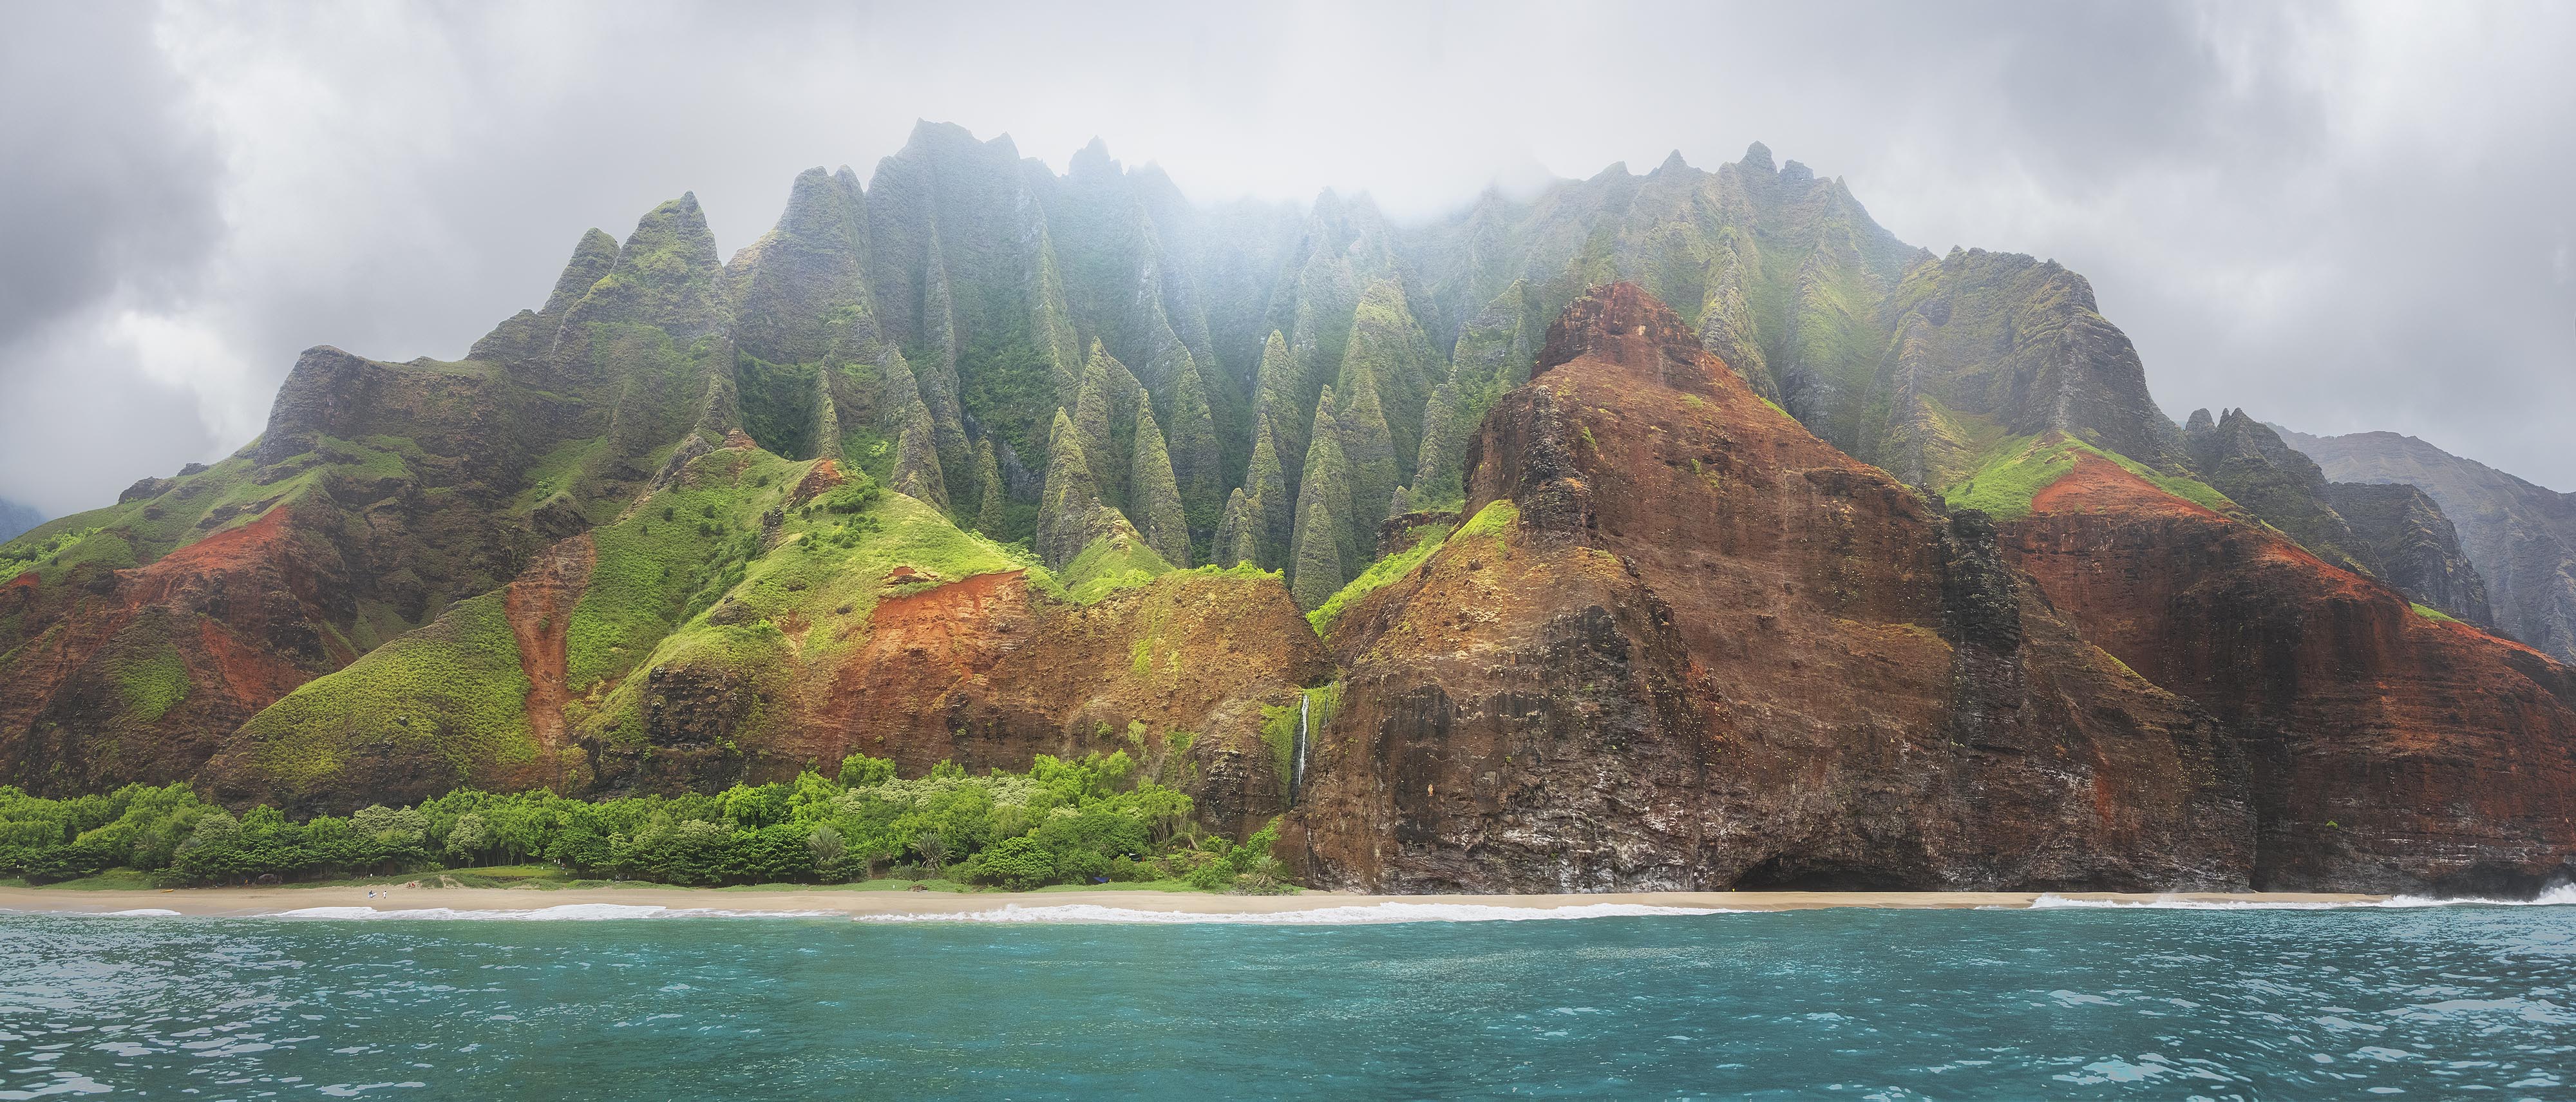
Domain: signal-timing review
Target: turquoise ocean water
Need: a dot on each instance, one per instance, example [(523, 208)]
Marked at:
[(2433, 1002)]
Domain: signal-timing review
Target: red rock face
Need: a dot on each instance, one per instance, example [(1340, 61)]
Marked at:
[(136, 675), (984, 673), (539, 605), (2389, 751), (1715, 652)]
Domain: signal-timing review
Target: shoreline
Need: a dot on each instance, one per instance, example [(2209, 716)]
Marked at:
[(1129, 905)]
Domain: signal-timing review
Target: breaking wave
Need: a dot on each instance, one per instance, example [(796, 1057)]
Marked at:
[(2560, 896)]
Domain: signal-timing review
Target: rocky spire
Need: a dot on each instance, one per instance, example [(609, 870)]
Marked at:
[(1274, 511), (1316, 572), (1238, 535), (592, 257), (1370, 452), (1153, 498), (907, 419), (1070, 514), (1277, 387), (990, 518), (1091, 418), (1323, 497), (528, 335), (1389, 346), (1436, 473), (664, 276)]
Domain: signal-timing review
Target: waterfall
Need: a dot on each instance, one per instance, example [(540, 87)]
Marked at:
[(1297, 774)]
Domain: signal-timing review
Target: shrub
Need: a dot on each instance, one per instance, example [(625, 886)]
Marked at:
[(1016, 863)]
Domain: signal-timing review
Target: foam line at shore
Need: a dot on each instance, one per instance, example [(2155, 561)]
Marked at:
[(2561, 896), (1372, 914)]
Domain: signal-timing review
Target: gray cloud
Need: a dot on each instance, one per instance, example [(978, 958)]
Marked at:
[(2339, 217)]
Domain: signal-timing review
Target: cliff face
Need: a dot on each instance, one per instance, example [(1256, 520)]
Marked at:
[(1682, 643), (934, 327), (2388, 750), (2410, 544), (750, 617), (2520, 537), (691, 522), (2244, 459)]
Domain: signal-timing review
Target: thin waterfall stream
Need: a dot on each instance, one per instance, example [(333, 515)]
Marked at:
[(1297, 775)]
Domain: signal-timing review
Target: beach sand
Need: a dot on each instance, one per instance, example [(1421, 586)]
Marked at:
[(934, 904)]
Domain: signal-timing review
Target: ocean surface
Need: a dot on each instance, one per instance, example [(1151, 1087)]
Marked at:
[(2066, 1002)]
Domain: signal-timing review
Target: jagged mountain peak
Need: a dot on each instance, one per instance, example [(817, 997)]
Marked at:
[(1621, 323), (1757, 156), (1093, 158)]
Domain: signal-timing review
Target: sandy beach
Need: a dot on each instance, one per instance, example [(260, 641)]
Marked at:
[(247, 902)]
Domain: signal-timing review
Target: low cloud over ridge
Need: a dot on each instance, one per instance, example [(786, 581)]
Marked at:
[(2339, 217)]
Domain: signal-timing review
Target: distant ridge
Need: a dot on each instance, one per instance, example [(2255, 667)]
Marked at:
[(16, 518)]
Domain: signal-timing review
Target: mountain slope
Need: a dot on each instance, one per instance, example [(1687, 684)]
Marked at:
[(2521, 537), (2390, 749), (1683, 643)]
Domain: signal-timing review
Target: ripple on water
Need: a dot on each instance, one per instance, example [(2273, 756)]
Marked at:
[(2076, 1002)]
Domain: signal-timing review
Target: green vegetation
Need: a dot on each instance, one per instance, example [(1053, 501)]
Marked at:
[(2020, 467), (451, 692), (1109, 564), (151, 683), (687, 577), (1061, 822), (2430, 613), (1427, 540), (1491, 524), (1279, 724), (2004, 487), (24, 553)]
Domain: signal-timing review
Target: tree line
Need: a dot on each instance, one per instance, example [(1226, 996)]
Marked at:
[(1085, 821)]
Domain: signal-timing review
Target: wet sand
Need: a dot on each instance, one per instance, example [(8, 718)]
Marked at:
[(881, 903)]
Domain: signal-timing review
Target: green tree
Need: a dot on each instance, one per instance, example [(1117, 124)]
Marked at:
[(861, 771), (1015, 863)]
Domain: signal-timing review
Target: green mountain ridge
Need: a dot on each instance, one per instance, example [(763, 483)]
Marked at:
[(1081, 380)]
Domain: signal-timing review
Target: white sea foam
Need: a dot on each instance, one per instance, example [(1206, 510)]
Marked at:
[(138, 912), (2563, 895), (569, 912), (1372, 914)]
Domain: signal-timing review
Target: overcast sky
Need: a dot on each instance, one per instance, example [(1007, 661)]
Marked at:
[(2340, 218)]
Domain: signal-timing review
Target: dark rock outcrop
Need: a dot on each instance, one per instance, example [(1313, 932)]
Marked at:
[(1686, 644), (2389, 750), (2409, 544), (2244, 459), (2521, 537)]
